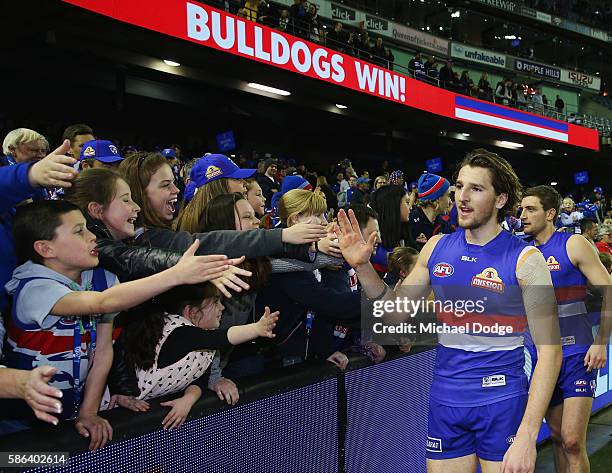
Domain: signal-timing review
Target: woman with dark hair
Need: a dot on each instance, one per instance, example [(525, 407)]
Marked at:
[(171, 342), (152, 184), (391, 205)]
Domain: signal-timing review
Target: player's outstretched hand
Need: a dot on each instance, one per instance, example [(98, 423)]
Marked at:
[(355, 249)]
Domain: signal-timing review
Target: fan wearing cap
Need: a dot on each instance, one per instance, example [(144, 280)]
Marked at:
[(357, 195), (212, 175), (99, 154), (433, 201)]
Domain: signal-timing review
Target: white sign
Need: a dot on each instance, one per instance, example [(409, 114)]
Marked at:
[(419, 39), (581, 79), (482, 56), (543, 17)]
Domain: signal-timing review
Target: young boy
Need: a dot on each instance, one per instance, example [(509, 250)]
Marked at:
[(60, 319)]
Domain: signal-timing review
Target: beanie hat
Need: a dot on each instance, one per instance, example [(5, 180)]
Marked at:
[(432, 186), (290, 183)]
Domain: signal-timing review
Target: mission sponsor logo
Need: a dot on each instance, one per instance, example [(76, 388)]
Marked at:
[(443, 270), (553, 264), (489, 279)]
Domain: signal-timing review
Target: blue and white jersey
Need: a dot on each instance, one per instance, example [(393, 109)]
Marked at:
[(570, 290), (480, 358)]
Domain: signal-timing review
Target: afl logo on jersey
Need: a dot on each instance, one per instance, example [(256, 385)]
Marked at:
[(443, 270), (553, 264), (488, 279)]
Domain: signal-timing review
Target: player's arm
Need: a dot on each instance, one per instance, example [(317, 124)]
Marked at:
[(585, 258), (356, 251), (541, 310), (189, 270)]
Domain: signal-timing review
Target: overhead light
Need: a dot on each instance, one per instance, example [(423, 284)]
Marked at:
[(512, 143), (456, 14), (597, 73), (553, 183), (564, 154), (168, 62), (549, 150), (510, 36), (465, 134), (441, 29), (427, 28), (340, 106), (265, 88)]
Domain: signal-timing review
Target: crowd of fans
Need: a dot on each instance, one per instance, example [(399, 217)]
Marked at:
[(302, 20), (506, 91), (131, 275)]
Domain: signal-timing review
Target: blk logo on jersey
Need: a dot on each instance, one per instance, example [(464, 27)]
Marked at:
[(553, 264), (434, 445), (488, 279), (443, 270), (469, 259), (494, 381)]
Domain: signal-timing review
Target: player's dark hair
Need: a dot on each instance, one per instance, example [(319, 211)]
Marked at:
[(503, 177), (549, 198)]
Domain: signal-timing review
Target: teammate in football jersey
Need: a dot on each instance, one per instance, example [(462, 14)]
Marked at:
[(480, 411), (573, 262)]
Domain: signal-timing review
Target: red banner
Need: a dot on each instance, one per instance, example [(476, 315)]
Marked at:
[(208, 26)]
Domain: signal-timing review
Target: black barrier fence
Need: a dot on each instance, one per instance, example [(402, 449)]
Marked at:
[(309, 418)]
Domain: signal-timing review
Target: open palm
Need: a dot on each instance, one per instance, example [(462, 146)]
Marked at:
[(355, 250)]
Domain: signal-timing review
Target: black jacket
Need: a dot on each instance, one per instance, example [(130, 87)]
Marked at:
[(129, 262), (293, 294), (160, 248), (252, 244)]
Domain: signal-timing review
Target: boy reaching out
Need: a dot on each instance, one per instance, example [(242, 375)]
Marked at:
[(63, 312)]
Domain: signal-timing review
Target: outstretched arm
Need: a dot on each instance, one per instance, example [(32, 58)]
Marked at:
[(356, 251), (189, 270)]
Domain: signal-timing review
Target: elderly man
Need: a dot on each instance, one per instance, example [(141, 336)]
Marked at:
[(23, 146)]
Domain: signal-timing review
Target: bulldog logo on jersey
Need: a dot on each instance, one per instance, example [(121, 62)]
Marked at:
[(89, 152), (488, 279), (553, 264), (213, 171), (443, 270)]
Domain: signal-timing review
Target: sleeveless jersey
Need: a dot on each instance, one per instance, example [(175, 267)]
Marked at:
[(480, 351), (570, 291)]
